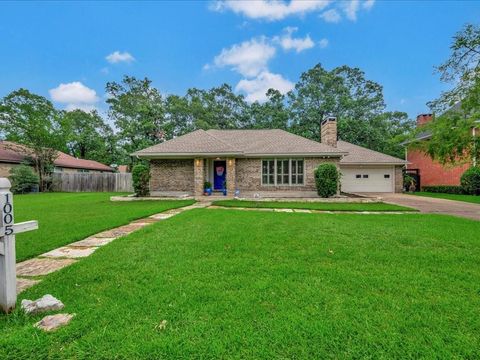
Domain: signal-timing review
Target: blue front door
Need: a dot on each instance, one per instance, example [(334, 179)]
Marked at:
[(219, 174)]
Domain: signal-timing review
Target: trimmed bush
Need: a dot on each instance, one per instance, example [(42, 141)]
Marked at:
[(470, 181), (141, 179), (327, 178), (24, 179), (444, 189)]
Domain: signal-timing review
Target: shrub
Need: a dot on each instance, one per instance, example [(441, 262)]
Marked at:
[(471, 181), (207, 185), (445, 189), (24, 179), (327, 178), (141, 179)]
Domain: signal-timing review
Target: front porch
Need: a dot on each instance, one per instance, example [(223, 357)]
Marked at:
[(220, 172)]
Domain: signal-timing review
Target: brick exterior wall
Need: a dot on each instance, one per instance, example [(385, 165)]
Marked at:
[(198, 176), (399, 179), (432, 172), (231, 175), (5, 169), (249, 175), (171, 175)]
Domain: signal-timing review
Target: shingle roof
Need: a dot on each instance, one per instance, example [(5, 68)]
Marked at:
[(16, 153), (240, 143), (360, 155)]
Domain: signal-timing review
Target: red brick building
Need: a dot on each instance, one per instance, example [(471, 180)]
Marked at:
[(432, 172)]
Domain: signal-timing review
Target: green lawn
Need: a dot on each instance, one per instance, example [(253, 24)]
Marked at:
[(67, 217), (264, 285), (466, 198), (326, 206)]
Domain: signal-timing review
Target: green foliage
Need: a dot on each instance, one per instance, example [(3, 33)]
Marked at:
[(470, 181), (32, 120), (23, 179), (327, 178), (445, 189), (409, 182), (207, 185), (141, 179), (89, 137)]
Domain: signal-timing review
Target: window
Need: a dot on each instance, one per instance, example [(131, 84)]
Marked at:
[(268, 172), (297, 172), (386, 176), (365, 176), (282, 172), (358, 176)]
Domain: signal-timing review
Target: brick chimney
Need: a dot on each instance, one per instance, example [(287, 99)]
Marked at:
[(423, 119), (328, 131)]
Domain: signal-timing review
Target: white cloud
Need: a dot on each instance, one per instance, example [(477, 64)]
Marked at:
[(248, 58), (298, 44), (323, 43), (331, 16), (368, 4), (75, 95), (118, 56), (256, 89), (270, 9), (350, 9)]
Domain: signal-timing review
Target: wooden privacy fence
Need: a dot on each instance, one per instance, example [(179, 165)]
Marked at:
[(93, 182)]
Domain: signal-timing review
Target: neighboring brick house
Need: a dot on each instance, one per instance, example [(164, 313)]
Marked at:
[(268, 162), (13, 154), (431, 172)]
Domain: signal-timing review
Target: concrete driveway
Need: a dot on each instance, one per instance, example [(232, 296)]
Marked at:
[(432, 205)]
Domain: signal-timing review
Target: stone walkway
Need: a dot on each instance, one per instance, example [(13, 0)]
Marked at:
[(30, 272), (307, 211)]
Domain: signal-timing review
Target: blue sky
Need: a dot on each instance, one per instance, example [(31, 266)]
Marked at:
[(67, 51)]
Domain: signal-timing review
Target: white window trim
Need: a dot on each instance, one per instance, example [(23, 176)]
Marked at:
[(275, 171)]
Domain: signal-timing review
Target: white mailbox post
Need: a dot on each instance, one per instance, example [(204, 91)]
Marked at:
[(8, 229)]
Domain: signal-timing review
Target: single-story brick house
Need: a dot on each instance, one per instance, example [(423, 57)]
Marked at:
[(13, 154), (269, 162)]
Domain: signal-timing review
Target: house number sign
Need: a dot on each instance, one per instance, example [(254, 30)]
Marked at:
[(8, 229)]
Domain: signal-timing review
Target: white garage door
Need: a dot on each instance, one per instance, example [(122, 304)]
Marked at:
[(373, 179)]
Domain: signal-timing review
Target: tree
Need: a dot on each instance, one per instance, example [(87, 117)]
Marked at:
[(138, 111), (273, 114), (88, 136), (343, 92), (452, 138), (32, 120)]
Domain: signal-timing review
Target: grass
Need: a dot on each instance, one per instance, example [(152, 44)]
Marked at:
[(67, 217), (261, 285), (466, 198), (325, 206)]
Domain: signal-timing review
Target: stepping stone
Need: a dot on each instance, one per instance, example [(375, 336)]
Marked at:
[(38, 267), (283, 210), (303, 211), (145, 221), (53, 322), (70, 252), (162, 216), (114, 233), (24, 284), (129, 228), (45, 303), (92, 241)]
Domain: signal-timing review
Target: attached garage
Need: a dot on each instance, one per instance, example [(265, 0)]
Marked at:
[(367, 179), (367, 171)]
